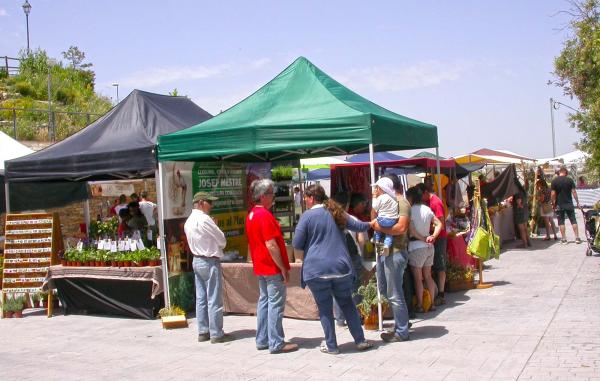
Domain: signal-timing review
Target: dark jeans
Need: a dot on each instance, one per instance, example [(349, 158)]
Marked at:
[(357, 265), (324, 291)]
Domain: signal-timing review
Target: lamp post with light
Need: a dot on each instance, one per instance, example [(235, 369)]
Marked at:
[(555, 105), (117, 86), (27, 9)]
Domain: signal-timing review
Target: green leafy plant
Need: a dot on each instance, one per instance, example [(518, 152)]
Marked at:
[(368, 293), (171, 311), (282, 173), (106, 228), (12, 304), (455, 272)]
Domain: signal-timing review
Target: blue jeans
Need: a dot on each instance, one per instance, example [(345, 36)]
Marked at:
[(388, 239), (209, 296), (324, 290), (391, 286), (269, 312), (357, 264)]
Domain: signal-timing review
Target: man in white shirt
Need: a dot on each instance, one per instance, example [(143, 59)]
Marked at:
[(207, 241), (148, 209)]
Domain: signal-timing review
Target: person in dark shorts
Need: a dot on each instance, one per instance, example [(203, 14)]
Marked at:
[(563, 192)]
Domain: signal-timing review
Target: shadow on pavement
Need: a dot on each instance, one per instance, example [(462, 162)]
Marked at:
[(427, 332), (243, 333)]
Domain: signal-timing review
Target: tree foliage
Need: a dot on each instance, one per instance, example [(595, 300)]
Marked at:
[(76, 57), (577, 70)]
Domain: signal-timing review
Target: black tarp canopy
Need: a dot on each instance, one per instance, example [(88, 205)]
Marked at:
[(120, 145)]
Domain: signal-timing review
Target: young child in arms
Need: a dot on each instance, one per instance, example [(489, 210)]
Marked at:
[(386, 209)]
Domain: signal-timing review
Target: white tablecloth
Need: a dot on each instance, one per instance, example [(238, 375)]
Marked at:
[(504, 224)]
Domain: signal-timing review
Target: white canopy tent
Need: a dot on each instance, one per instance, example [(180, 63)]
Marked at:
[(11, 149)]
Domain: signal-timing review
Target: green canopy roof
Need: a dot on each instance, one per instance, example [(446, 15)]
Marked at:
[(428, 155), (302, 112)]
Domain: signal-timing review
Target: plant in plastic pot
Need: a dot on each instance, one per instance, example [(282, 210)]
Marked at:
[(368, 306)]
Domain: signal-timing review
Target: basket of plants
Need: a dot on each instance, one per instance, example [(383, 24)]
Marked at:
[(173, 317), (459, 278)]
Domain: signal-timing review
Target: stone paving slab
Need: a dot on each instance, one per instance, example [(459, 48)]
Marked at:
[(540, 321)]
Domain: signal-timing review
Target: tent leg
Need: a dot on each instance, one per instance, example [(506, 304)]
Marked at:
[(439, 178), (373, 179), (161, 231), (86, 216), (7, 196)]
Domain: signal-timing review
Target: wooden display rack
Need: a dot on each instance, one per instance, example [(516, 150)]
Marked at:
[(33, 241)]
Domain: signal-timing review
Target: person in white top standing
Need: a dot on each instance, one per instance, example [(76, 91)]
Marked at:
[(385, 208), (148, 209), (207, 241), (420, 246)]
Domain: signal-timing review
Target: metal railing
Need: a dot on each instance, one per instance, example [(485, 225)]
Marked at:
[(52, 126), (6, 65)]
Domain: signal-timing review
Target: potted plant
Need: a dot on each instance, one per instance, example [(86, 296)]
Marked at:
[(8, 308), (282, 173), (368, 306), (153, 256), (459, 277), (173, 317), (17, 307)]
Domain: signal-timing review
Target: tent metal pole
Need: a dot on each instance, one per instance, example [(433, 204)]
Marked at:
[(86, 216), (439, 177), (373, 179), (7, 196), (161, 230)]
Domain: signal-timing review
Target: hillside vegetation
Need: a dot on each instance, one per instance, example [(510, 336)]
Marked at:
[(72, 89)]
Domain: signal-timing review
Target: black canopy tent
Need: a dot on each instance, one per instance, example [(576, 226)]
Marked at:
[(117, 146)]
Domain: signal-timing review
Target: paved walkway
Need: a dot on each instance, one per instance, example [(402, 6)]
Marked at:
[(541, 320)]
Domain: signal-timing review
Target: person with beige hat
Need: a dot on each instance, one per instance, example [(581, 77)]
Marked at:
[(207, 241)]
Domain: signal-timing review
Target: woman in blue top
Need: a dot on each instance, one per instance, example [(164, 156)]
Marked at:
[(327, 269)]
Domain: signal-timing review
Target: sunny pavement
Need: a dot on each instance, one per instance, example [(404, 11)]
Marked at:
[(540, 320)]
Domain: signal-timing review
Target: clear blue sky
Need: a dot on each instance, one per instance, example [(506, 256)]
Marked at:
[(477, 69)]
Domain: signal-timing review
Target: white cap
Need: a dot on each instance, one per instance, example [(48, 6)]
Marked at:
[(386, 185)]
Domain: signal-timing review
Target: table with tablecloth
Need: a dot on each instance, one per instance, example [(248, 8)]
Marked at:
[(240, 291), (504, 224), (457, 252), (124, 291)]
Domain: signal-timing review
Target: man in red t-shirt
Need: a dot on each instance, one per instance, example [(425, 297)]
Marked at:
[(271, 265), (440, 257)]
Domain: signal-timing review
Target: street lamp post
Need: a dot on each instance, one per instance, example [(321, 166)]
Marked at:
[(27, 9), (552, 123), (117, 86), (555, 105)]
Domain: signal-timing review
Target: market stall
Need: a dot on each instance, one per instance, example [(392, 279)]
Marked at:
[(119, 145), (301, 113), (124, 291)]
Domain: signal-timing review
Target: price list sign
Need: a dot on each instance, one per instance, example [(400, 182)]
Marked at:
[(31, 246)]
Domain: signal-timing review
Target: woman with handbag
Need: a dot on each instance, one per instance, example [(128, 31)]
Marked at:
[(547, 213)]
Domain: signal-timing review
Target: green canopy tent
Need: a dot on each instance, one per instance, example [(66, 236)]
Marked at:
[(300, 113)]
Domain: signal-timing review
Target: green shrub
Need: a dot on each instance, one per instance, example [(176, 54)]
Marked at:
[(25, 89), (66, 96), (3, 73)]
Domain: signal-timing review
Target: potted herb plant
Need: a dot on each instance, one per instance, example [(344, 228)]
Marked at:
[(173, 317), (368, 306), (8, 308)]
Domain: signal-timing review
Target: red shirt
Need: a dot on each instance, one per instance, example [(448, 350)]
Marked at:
[(262, 226), (436, 206)]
